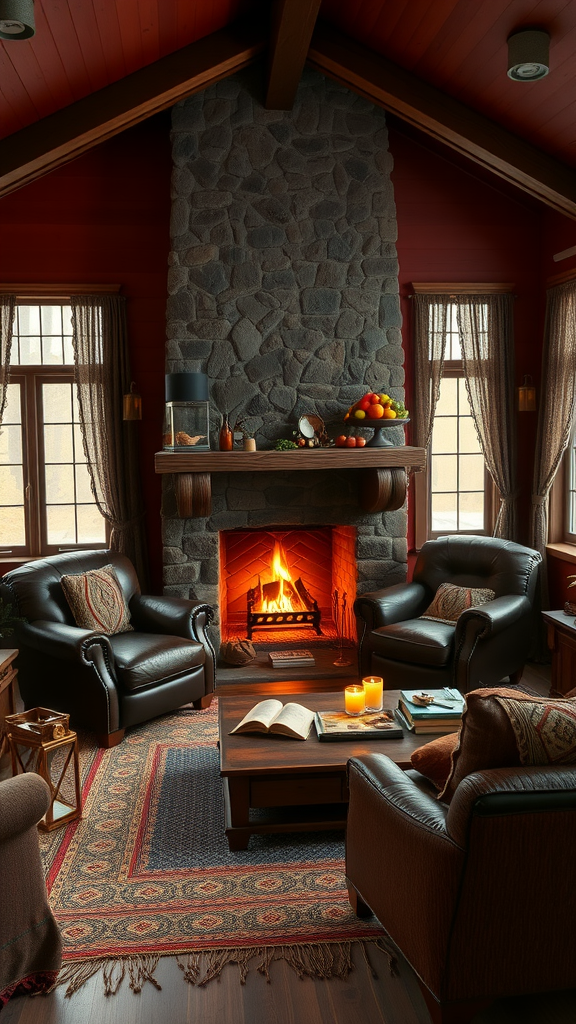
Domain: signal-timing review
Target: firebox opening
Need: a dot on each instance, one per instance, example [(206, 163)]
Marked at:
[(288, 584)]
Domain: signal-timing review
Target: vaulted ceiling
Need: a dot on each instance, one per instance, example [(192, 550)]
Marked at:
[(96, 66)]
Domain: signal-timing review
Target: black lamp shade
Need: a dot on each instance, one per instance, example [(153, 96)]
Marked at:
[(186, 387), (16, 19)]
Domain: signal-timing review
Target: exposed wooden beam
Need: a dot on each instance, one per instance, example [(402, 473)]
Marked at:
[(59, 138), (292, 26), (443, 117)]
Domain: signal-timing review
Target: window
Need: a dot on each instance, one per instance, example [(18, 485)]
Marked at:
[(457, 476), (46, 501)]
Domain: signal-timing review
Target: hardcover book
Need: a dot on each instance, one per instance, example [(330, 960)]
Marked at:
[(271, 716), (441, 714), (289, 659), (375, 725)]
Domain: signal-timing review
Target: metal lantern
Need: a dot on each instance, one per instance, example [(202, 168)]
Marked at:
[(186, 421)]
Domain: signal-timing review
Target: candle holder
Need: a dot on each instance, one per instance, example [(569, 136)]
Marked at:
[(354, 700), (373, 689)]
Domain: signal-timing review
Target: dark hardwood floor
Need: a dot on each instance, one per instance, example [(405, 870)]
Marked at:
[(362, 999)]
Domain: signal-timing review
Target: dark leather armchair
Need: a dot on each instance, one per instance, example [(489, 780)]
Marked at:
[(107, 683), (485, 644), (474, 893)]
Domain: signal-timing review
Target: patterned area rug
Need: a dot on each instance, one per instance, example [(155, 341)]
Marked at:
[(147, 871)]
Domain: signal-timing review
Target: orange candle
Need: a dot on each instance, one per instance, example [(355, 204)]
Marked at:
[(373, 687), (354, 700)]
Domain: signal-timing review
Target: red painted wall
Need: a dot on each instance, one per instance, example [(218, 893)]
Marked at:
[(455, 227), (104, 219)]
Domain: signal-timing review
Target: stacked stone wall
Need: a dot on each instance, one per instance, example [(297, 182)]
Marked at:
[(283, 288)]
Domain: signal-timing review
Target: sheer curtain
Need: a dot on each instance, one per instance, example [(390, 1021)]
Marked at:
[(430, 327), (102, 375), (7, 309), (485, 329), (557, 408)]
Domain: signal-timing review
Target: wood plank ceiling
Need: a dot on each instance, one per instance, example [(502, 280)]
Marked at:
[(457, 46)]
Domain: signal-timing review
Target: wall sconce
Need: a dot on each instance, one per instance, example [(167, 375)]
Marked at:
[(132, 404), (17, 19), (527, 395)]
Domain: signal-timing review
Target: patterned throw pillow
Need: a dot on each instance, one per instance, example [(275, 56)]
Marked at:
[(450, 601), (96, 600)]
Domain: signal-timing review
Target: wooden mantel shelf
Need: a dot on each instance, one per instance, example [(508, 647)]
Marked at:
[(382, 472)]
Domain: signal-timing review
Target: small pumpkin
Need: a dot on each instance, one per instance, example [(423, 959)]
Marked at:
[(237, 651)]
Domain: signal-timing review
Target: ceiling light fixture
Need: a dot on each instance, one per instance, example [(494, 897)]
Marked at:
[(17, 19), (528, 55)]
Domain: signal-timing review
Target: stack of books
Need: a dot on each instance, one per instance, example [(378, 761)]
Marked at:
[(291, 659), (440, 716)]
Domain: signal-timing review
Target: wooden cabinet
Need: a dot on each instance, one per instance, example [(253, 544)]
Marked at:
[(562, 643)]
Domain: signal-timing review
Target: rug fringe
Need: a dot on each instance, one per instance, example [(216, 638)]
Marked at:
[(321, 960), (140, 969)]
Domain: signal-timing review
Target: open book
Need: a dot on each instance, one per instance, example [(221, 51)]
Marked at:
[(272, 716)]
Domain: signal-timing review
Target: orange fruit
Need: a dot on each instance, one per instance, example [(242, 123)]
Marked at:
[(350, 442), (389, 414), (360, 442), (340, 440), (376, 411)]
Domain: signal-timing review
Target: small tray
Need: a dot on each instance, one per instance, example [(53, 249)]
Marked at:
[(41, 723)]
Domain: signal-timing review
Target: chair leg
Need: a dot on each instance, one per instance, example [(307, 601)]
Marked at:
[(203, 702), (111, 739), (360, 908)]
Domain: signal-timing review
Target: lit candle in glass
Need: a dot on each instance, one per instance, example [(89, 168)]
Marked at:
[(373, 687), (354, 700)]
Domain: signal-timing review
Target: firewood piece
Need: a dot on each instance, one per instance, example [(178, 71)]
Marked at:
[(271, 591), (303, 594)]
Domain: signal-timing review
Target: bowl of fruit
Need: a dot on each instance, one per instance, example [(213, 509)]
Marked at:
[(380, 412)]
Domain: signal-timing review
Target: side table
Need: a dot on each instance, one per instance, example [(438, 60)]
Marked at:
[(41, 741), (562, 643), (8, 677)]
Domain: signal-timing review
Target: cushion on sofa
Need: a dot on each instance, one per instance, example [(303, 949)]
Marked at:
[(450, 601), (505, 728), (144, 660), (434, 759), (97, 601), (417, 642)]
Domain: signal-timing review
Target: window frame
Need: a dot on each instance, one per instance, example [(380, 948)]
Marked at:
[(30, 378), (423, 481)]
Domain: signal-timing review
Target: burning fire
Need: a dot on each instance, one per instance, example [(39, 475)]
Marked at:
[(280, 595)]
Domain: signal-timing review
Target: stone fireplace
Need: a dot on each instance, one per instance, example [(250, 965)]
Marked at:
[(283, 288)]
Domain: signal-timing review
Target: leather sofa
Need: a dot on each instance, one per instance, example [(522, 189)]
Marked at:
[(107, 683), (484, 645), (477, 894)]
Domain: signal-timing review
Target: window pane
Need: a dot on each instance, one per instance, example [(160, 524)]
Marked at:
[(472, 511), (59, 484), (68, 351), (471, 472), (444, 513), (10, 443), (468, 436), (12, 412), (57, 402), (58, 442), (52, 351), (447, 399), (83, 488), (30, 351), (28, 320), (11, 485), (12, 528), (51, 319), (78, 445), (444, 472), (445, 435), (61, 524), (91, 525)]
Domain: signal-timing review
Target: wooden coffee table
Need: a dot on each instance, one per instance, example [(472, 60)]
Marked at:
[(301, 784)]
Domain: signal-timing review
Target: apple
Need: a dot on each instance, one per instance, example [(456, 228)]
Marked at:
[(360, 414), (360, 442), (340, 441), (351, 442), (364, 404)]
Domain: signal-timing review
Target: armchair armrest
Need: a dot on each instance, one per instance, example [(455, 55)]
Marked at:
[(500, 791), (59, 640), (172, 616), (393, 604), (495, 616), (23, 801)]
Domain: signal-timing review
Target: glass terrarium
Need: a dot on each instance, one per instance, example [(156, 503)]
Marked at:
[(186, 419)]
